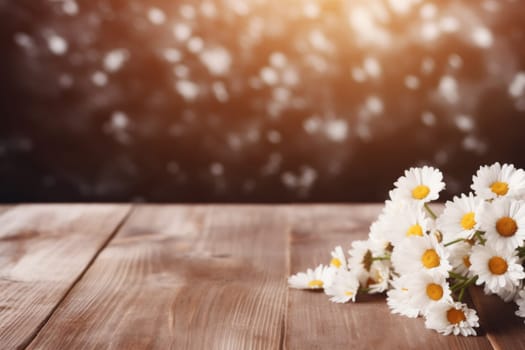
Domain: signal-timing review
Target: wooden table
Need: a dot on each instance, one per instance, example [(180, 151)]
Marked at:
[(199, 277)]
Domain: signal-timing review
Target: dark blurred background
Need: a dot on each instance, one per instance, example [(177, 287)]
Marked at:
[(254, 100)]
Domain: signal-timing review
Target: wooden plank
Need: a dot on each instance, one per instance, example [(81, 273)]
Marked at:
[(182, 277), (43, 251), (313, 322), (503, 328)]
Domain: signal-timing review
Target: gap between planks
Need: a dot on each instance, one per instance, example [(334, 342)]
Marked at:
[(288, 269), (79, 277), (43, 248), (218, 274)]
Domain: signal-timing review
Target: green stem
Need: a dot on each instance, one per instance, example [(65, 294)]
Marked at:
[(454, 242), (465, 285), (457, 286), (457, 276), (462, 285), (479, 235), (471, 281), (461, 293), (430, 212), (379, 258)]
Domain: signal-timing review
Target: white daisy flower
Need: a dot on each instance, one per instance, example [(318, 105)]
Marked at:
[(460, 218), (460, 258), (427, 290), (405, 219), (420, 254), (520, 301), (369, 261), (361, 253), (503, 221), (343, 288), (452, 318), (377, 278), (379, 229), (399, 299), (311, 279), (338, 258), (494, 268), (421, 185), (499, 181), (506, 294)]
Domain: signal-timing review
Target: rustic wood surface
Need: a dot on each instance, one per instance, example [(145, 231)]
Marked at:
[(199, 277), (181, 277), (43, 251)]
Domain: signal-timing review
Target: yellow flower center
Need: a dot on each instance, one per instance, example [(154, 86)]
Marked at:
[(315, 284), (499, 188), (430, 259), (335, 262), (466, 261), (497, 265), (434, 291), (506, 226), (420, 192), (415, 230), (455, 316), (348, 293), (468, 221)]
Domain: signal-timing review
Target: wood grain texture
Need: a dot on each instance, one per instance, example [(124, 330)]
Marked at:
[(200, 277), (313, 322), (503, 328), (181, 277), (43, 251)]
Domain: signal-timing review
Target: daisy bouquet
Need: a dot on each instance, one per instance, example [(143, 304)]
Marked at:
[(425, 263)]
